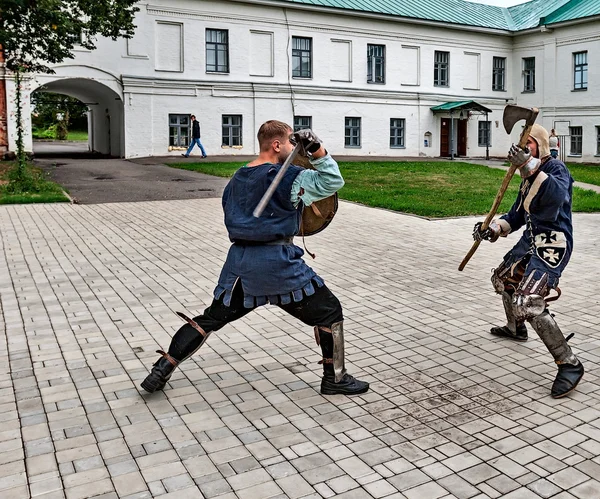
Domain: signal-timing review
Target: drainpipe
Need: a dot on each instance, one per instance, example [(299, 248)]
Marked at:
[(487, 137), (3, 109)]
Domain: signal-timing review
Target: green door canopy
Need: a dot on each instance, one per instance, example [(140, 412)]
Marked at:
[(465, 105)]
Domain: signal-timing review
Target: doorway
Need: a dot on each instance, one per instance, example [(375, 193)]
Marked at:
[(459, 137)]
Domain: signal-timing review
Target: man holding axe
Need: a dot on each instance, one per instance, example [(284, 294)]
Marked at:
[(531, 270), (263, 205)]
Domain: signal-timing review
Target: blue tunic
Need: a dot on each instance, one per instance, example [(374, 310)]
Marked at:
[(269, 273), (544, 206)]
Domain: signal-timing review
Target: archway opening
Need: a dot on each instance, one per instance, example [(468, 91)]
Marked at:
[(59, 123), (98, 119)]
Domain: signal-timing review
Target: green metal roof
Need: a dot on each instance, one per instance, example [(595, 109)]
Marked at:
[(447, 11), (519, 17), (466, 105), (575, 9)]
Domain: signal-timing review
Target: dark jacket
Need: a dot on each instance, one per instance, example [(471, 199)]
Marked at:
[(543, 205), (268, 273), (195, 129)]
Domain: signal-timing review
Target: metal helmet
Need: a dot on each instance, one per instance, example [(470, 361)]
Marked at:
[(540, 135)]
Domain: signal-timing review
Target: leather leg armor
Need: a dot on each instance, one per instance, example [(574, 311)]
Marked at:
[(163, 368)]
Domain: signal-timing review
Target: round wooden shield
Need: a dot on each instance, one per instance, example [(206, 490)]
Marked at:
[(318, 215)]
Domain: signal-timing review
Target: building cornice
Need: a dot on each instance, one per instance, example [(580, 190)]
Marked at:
[(157, 86)]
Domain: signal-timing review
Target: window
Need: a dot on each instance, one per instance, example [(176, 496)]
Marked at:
[(301, 57), (352, 132), (576, 133), (232, 130), (179, 130), (301, 122), (484, 136), (375, 63), (217, 51), (598, 141), (397, 132), (498, 73), (580, 70), (441, 68), (529, 74)]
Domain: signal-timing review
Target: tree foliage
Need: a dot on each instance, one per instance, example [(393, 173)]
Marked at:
[(36, 33), (47, 105)]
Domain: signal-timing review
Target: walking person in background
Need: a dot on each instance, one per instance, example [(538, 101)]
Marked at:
[(195, 138), (554, 144)]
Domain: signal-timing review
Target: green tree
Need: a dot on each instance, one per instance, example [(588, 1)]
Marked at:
[(47, 106), (37, 33)]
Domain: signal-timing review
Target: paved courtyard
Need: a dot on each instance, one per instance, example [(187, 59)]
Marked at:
[(88, 293)]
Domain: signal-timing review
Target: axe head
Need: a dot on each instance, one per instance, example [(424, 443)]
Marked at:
[(513, 113)]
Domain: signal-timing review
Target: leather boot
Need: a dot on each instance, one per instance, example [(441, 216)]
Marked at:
[(336, 381), (567, 379), (160, 374)]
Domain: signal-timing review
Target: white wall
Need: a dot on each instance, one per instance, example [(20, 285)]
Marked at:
[(161, 75)]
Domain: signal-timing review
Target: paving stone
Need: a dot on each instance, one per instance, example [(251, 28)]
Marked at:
[(454, 412)]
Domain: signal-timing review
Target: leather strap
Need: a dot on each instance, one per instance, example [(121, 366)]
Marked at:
[(192, 323), (168, 357)]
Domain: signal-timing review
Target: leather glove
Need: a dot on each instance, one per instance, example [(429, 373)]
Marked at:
[(491, 234), (524, 161), (307, 139)]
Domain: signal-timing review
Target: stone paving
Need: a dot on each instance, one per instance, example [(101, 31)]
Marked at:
[(88, 293)]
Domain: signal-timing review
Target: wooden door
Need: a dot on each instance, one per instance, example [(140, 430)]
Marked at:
[(462, 138), (445, 138)]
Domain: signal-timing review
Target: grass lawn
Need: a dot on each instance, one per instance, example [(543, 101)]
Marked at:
[(47, 191), (429, 189), (77, 135), (590, 174)]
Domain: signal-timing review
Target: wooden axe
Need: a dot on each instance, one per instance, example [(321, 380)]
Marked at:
[(512, 114)]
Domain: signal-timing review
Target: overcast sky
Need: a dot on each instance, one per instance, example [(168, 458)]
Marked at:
[(500, 3)]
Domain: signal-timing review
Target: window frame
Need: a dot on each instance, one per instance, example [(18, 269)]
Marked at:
[(375, 63), (576, 141), (499, 74), (298, 120), (214, 46), (528, 75), (487, 129), (349, 127), (183, 140), (440, 66), (397, 133), (580, 68), (227, 130), (300, 54)]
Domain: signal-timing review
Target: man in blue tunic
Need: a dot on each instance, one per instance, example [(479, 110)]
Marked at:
[(531, 270), (263, 264)]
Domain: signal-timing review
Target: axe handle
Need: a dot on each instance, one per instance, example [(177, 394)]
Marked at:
[(262, 204), (505, 183), (486, 223)]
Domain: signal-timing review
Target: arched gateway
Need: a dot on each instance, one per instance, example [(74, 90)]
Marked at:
[(100, 91)]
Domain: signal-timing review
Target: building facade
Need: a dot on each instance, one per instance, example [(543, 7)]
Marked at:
[(365, 81)]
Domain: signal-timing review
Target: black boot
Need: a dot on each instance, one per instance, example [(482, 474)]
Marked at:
[(347, 384), (160, 374), (505, 332), (567, 379)]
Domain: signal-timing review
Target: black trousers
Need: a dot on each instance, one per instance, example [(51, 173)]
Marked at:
[(319, 309)]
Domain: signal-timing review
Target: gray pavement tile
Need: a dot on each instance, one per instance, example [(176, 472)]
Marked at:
[(452, 411)]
